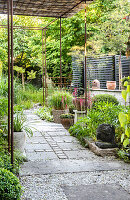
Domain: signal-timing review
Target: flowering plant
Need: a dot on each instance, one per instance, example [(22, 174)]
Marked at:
[(60, 100)]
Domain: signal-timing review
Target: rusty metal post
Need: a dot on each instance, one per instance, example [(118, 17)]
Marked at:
[(8, 7), (85, 70), (12, 93), (43, 67), (60, 56)]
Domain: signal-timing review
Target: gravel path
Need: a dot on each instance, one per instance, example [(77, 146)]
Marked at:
[(56, 160)]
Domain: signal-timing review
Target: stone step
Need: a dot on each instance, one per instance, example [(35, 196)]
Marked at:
[(66, 166)]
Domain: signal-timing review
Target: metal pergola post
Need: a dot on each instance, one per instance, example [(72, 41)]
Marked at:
[(85, 78), (60, 56), (43, 68), (8, 21), (12, 92)]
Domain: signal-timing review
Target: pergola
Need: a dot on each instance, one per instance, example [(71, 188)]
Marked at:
[(42, 8)]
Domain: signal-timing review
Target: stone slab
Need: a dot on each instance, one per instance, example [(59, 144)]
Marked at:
[(78, 154), (70, 146), (96, 191), (38, 147), (40, 156), (102, 152), (66, 166), (36, 139)]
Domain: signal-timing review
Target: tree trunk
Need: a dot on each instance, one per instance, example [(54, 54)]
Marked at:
[(23, 81)]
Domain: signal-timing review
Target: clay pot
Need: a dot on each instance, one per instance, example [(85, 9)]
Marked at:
[(111, 85)]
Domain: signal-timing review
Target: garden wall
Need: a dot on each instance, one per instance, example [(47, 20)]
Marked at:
[(116, 93)]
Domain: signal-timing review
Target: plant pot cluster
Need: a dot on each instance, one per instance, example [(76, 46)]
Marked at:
[(60, 101)]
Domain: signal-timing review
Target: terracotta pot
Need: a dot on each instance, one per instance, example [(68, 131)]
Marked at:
[(57, 113), (19, 142), (111, 85), (66, 122)]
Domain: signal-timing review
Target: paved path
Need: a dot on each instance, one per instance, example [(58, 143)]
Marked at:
[(58, 164)]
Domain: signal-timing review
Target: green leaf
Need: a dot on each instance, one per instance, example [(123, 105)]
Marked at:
[(122, 137), (127, 132), (128, 89), (124, 94), (125, 83), (126, 142), (123, 119)]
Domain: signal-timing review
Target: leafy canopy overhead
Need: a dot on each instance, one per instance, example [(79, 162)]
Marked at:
[(107, 33)]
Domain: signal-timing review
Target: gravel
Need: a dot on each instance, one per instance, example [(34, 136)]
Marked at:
[(49, 187)]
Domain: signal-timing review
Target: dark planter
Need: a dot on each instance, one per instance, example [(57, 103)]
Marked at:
[(67, 122)]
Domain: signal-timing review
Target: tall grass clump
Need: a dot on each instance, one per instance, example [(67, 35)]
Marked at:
[(28, 96), (60, 100)]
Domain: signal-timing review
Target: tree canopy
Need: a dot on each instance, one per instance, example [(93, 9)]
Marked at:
[(107, 33)]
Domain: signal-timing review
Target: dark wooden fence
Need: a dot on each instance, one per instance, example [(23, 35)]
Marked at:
[(105, 68)]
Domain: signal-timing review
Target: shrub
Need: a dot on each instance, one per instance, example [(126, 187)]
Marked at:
[(101, 113), (60, 100), (3, 107), (79, 129), (4, 87), (45, 114), (10, 188), (72, 108), (67, 116), (27, 97), (104, 98)]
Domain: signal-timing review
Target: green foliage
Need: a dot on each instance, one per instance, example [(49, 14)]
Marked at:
[(107, 33), (28, 96), (3, 107), (5, 161), (31, 75), (104, 98), (68, 116), (60, 100), (45, 113), (124, 80), (124, 155), (79, 129), (71, 108), (20, 123), (10, 188), (124, 117), (0, 69), (4, 87), (101, 113)]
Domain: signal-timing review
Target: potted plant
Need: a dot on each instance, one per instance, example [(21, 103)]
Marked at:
[(59, 101), (67, 120), (20, 130)]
